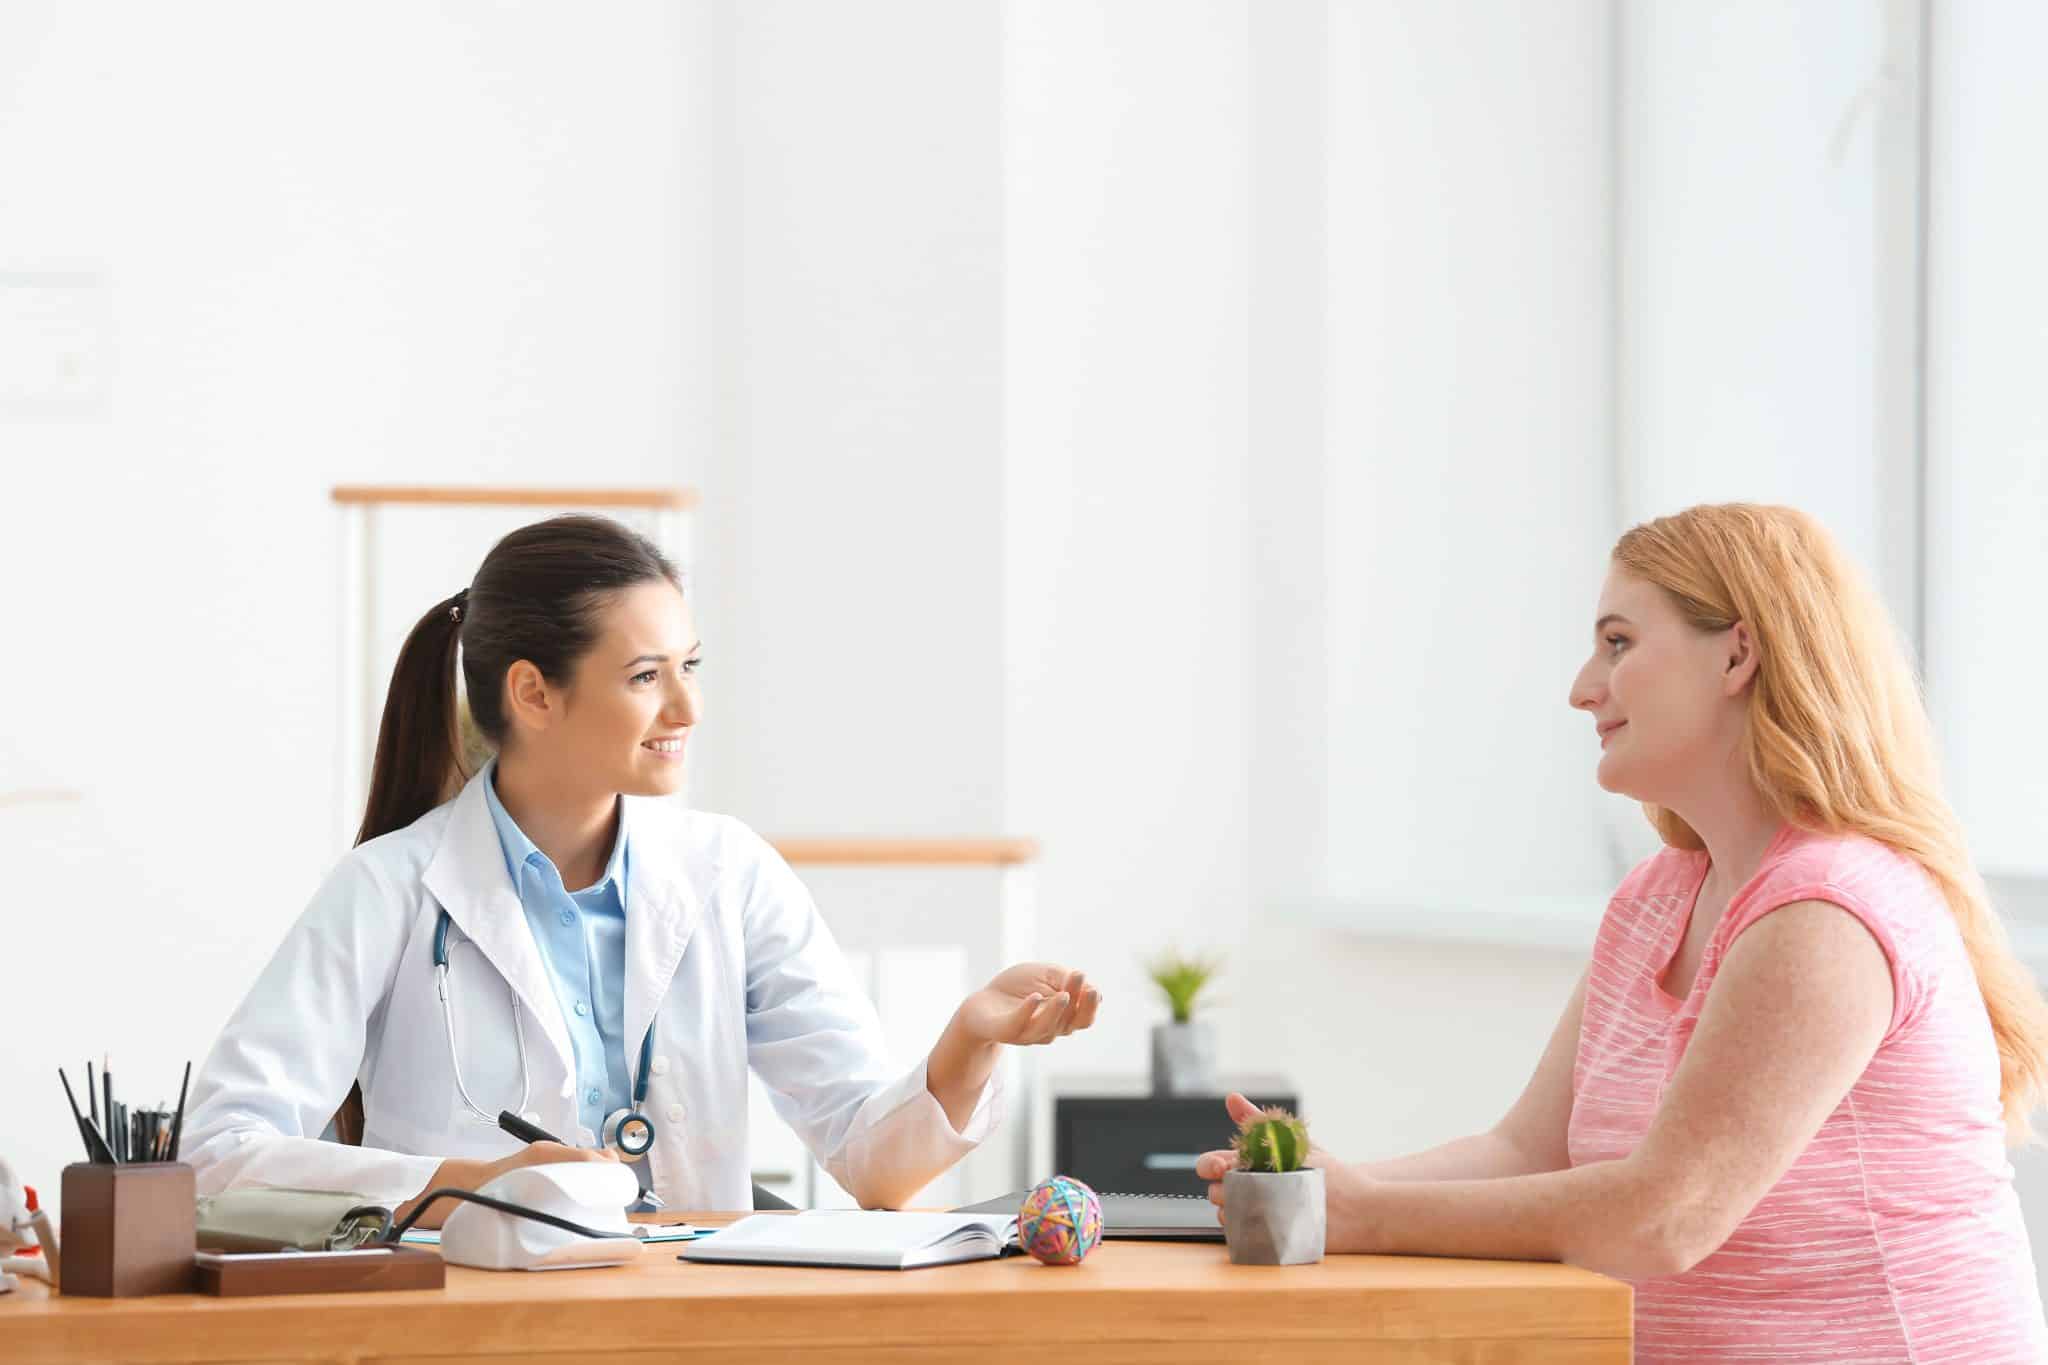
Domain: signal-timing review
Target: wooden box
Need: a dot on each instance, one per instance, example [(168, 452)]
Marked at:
[(127, 1230)]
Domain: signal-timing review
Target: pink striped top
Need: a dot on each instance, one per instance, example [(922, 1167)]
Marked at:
[(1896, 1235)]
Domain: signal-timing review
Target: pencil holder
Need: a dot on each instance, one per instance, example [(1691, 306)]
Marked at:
[(127, 1230)]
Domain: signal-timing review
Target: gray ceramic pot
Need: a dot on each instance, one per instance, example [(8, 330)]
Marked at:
[(1183, 1059), (1273, 1219)]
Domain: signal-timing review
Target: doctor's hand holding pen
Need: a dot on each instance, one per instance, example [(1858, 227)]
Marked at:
[(1033, 1002), (470, 1174)]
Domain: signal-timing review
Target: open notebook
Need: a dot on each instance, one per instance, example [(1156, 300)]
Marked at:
[(1152, 1217), (861, 1239)]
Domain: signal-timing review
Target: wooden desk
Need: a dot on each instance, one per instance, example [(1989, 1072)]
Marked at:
[(1147, 1302)]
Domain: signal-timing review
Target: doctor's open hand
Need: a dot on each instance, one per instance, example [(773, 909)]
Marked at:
[(1033, 1002)]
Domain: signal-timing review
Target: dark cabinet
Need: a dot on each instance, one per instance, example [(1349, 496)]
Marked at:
[(1134, 1143)]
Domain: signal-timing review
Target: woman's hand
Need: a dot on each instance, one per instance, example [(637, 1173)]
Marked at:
[(1347, 1191), (1034, 1002), (463, 1173)]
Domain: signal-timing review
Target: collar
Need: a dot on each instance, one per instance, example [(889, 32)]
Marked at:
[(520, 851), (467, 877)]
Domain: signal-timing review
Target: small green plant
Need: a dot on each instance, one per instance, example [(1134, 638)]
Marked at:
[(1276, 1142), (1182, 977)]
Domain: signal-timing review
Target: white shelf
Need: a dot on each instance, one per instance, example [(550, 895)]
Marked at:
[(1551, 923), (1568, 923)]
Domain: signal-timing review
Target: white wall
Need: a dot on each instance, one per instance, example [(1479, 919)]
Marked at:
[(1125, 464), (412, 243), (1763, 249), (1423, 583), (1988, 426), (853, 523), (851, 575), (1987, 449), (1468, 494)]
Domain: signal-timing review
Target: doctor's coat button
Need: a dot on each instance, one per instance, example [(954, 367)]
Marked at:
[(661, 1066), (675, 1113)]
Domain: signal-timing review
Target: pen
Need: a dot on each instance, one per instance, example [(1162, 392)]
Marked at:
[(92, 1091), (524, 1131), (178, 1123), (96, 1149)]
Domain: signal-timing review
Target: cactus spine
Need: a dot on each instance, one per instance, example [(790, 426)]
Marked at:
[(1276, 1142)]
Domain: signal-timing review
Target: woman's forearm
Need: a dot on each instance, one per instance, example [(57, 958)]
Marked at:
[(1601, 1216), (1482, 1156)]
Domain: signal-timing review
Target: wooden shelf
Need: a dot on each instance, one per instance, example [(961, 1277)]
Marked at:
[(941, 852), (1550, 923)]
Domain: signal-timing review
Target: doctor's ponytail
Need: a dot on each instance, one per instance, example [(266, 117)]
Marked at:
[(418, 763), (537, 596)]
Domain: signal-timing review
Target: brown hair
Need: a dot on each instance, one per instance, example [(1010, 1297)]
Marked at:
[(537, 597)]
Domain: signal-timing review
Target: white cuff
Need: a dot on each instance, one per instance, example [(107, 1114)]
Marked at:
[(903, 1139)]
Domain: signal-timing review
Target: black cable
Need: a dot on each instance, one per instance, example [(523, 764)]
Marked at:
[(502, 1206)]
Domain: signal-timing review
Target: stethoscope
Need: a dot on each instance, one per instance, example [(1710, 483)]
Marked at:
[(627, 1131)]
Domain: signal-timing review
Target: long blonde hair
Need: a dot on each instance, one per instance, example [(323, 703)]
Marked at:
[(1838, 739)]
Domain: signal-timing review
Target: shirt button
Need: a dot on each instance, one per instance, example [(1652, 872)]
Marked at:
[(675, 1113), (581, 1009), (568, 917), (661, 1066), (594, 1096)]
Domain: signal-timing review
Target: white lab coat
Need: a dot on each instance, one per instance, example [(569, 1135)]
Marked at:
[(725, 952)]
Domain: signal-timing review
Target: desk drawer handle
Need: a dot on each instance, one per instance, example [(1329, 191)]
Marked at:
[(1171, 1161)]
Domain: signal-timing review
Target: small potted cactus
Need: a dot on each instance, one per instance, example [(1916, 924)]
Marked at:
[(1183, 1049), (1273, 1203)]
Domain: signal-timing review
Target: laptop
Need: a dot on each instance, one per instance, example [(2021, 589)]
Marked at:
[(1152, 1217)]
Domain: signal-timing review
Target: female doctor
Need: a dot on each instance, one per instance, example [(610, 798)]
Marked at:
[(548, 939)]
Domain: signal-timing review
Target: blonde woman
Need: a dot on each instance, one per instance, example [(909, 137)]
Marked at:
[(1778, 1101)]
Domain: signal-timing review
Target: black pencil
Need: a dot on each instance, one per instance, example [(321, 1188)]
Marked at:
[(72, 1100), (96, 1149), (92, 1091), (178, 1123), (107, 1084)]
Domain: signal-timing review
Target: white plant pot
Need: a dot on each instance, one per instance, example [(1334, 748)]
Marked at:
[(1271, 1219), (1183, 1059)]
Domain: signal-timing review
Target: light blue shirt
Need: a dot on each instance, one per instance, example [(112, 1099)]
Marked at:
[(582, 938)]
